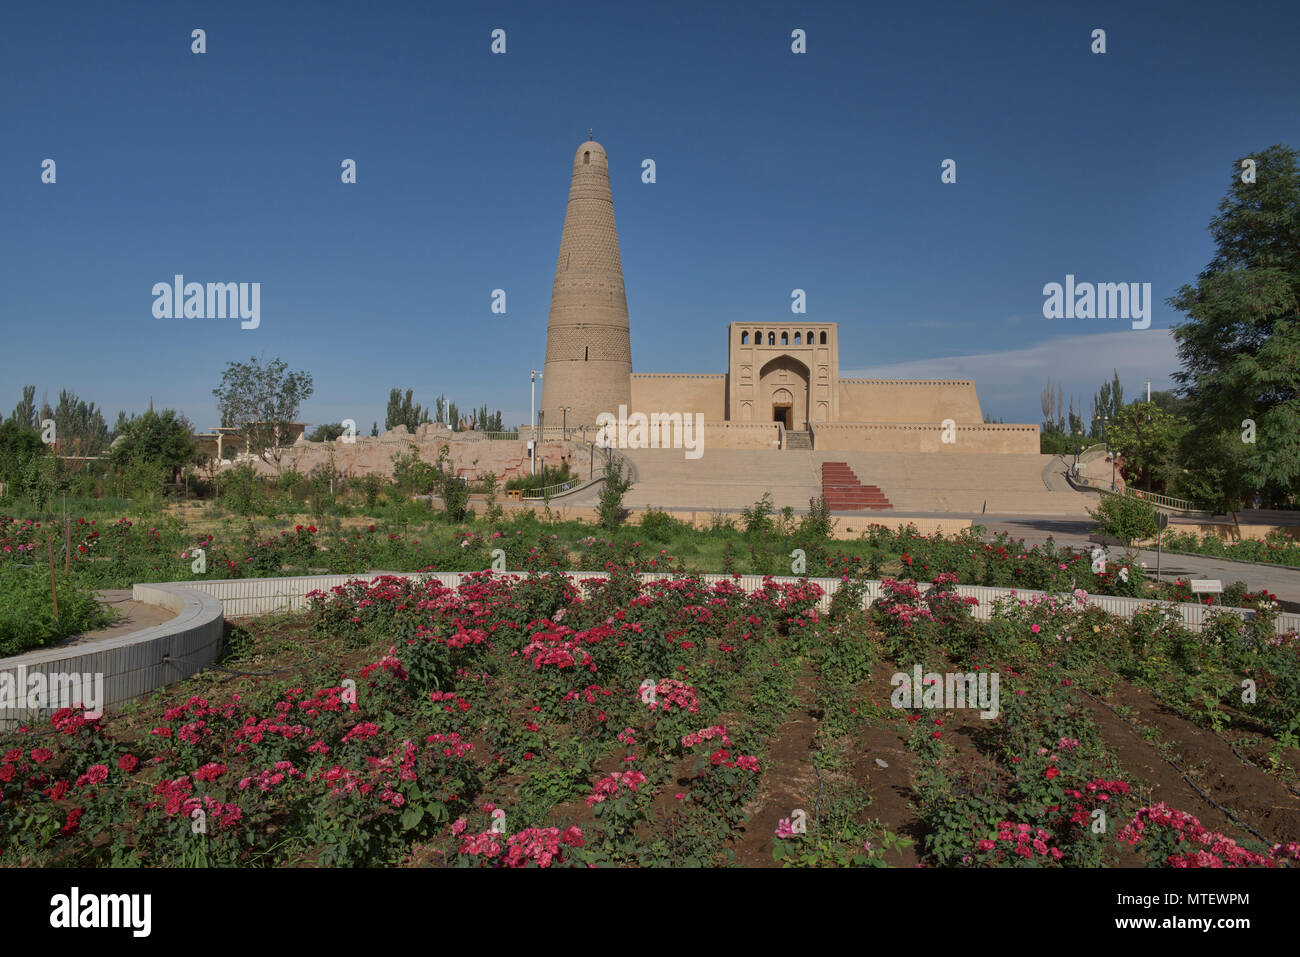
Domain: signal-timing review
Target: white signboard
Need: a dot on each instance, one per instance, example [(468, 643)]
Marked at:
[(1206, 586)]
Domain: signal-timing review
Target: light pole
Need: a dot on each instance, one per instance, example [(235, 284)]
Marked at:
[(532, 417), (564, 420), (1105, 434), (1076, 453)]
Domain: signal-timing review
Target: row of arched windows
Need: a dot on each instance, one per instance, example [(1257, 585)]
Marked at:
[(785, 338)]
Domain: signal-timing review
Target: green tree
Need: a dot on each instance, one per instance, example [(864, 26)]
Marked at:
[(25, 411), (1106, 406), (21, 455), (262, 401), (152, 447), (1128, 519), (401, 411), (79, 426), (1148, 438), (1240, 343), (326, 433), (610, 507)]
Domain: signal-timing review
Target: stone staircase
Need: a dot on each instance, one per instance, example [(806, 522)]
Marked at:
[(843, 491), (797, 440), (916, 482)]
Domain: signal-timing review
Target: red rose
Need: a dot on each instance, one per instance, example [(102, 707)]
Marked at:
[(1051, 773)]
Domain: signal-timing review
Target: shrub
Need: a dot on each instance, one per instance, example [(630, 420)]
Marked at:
[(757, 518), (27, 610), (1128, 519), (611, 496)]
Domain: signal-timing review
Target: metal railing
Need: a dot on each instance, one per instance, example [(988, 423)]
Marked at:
[(577, 483), (1160, 501)]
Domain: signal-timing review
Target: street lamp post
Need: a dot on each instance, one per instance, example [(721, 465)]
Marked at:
[(1105, 434), (564, 420), (532, 417)]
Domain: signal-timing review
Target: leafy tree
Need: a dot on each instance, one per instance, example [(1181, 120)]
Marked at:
[(153, 447), (79, 426), (454, 492), (374, 429), (411, 474), (262, 401), (401, 411), (25, 411), (1148, 438), (21, 449), (1106, 406), (326, 433), (610, 507), (1240, 343), (1128, 519)]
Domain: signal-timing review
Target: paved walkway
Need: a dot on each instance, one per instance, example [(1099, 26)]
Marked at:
[(1281, 581), (132, 616)]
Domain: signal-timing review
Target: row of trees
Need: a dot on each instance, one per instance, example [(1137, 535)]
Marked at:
[(79, 427), (402, 411)]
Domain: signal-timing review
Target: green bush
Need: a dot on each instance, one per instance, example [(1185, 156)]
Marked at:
[(27, 609), (1128, 519)]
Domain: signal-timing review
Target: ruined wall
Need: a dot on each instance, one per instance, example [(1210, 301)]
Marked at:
[(472, 454)]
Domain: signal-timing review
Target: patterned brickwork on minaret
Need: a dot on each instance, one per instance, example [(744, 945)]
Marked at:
[(588, 347)]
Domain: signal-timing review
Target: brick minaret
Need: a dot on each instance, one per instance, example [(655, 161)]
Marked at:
[(588, 347)]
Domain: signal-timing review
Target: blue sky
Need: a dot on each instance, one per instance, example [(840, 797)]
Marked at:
[(775, 171)]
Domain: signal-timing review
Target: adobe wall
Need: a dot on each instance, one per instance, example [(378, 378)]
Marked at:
[(679, 392), (909, 400), (873, 437), (472, 454), (741, 435)]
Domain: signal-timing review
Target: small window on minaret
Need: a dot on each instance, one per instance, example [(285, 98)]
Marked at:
[(785, 338), (586, 158), (797, 339), (771, 338), (823, 342), (744, 338), (586, 351)]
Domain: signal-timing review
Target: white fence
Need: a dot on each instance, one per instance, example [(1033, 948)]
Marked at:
[(244, 597)]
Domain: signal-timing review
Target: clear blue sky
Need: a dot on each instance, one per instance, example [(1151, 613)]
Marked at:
[(819, 171)]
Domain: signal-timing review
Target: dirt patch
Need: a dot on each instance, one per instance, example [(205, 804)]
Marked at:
[(788, 781), (1254, 796)]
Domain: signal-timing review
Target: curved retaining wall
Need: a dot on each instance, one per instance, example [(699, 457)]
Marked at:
[(127, 665)]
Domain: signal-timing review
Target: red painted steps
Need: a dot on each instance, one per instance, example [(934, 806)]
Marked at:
[(843, 491)]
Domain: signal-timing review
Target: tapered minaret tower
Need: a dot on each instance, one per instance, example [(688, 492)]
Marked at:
[(588, 346)]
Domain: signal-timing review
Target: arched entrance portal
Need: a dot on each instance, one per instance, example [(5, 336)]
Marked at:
[(783, 407), (783, 387)]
